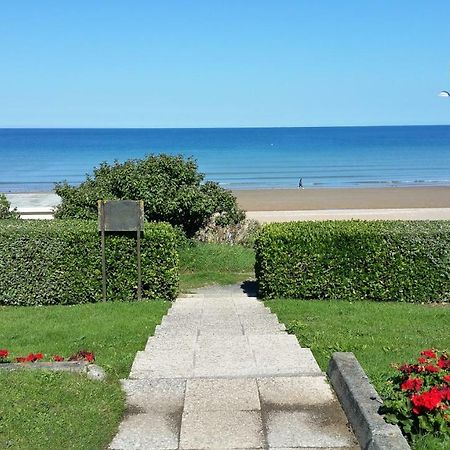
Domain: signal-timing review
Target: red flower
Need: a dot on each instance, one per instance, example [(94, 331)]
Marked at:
[(429, 353), (445, 393), (410, 368), (89, 357), (4, 353), (422, 360), (21, 359), (58, 358), (446, 378), (432, 369), (444, 362), (427, 401), (412, 384), (31, 357)]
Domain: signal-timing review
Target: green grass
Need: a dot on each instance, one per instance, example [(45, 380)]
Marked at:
[(60, 410), (203, 264), (377, 333), (44, 410)]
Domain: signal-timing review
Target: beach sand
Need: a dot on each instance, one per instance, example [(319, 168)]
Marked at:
[(332, 199), (280, 205), (283, 205)]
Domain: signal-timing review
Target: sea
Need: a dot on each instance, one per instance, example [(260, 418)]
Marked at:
[(32, 160)]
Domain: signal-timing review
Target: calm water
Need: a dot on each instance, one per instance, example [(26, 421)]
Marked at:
[(33, 159)]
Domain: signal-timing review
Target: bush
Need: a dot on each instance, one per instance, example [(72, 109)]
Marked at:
[(5, 209), (59, 262), (382, 260), (170, 186)]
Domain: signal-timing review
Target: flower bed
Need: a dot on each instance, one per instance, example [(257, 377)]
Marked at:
[(420, 398), (81, 355)]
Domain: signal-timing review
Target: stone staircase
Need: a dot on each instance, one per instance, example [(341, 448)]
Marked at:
[(221, 372)]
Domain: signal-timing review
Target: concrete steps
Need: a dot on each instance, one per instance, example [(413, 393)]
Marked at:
[(221, 372)]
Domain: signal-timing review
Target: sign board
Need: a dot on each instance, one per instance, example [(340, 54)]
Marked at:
[(121, 215)]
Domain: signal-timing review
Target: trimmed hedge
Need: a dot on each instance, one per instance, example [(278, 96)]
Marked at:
[(355, 260), (59, 262)]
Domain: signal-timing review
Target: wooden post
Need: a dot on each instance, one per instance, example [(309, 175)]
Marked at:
[(138, 244), (102, 231)]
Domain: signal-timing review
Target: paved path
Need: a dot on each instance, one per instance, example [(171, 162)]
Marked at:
[(221, 372), (348, 214)]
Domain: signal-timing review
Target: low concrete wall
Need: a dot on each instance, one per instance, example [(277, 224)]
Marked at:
[(36, 213), (361, 403)]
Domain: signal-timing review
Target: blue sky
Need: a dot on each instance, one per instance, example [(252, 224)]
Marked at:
[(223, 63)]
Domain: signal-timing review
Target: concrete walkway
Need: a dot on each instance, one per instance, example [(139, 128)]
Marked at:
[(221, 372), (351, 214)]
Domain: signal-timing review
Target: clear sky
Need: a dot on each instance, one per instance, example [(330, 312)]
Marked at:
[(210, 63)]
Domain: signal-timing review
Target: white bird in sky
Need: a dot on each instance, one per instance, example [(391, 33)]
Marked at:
[(444, 94)]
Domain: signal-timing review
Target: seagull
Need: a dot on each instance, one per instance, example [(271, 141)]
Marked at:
[(444, 94)]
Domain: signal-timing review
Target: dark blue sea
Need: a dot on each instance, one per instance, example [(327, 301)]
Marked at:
[(237, 158)]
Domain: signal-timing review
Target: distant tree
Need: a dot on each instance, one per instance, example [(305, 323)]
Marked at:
[(171, 187), (5, 209)]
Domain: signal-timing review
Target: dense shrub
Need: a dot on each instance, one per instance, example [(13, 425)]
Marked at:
[(59, 262), (379, 260), (5, 209), (171, 187)]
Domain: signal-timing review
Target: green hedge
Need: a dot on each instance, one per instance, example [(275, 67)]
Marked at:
[(356, 260), (59, 262)]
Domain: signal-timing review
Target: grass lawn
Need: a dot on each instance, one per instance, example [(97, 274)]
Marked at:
[(43, 410), (203, 264), (377, 333)]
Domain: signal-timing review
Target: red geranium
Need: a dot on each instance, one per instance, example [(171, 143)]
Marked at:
[(410, 368), (419, 397), (429, 353), (82, 355), (444, 362), (31, 357), (89, 357), (412, 384), (445, 393), (427, 401)]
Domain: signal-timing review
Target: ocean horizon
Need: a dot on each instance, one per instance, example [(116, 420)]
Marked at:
[(33, 159)]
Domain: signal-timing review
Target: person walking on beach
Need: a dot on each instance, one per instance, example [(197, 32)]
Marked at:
[(300, 183)]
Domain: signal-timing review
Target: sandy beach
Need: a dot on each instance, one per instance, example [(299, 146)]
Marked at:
[(283, 205), (280, 205), (333, 199)]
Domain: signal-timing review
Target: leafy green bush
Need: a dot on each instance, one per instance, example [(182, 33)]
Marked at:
[(59, 262), (5, 209), (379, 260), (171, 187)]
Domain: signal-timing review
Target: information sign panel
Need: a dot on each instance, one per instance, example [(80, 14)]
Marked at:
[(121, 216)]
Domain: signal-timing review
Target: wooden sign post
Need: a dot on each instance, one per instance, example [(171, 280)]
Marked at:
[(121, 216)]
